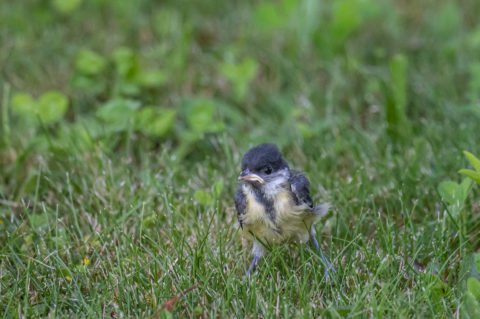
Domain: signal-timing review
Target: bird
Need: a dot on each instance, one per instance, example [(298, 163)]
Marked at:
[(274, 205)]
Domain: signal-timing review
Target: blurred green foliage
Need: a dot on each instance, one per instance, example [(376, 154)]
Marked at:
[(475, 162), (143, 54), (240, 75), (471, 286), (49, 108), (121, 114)]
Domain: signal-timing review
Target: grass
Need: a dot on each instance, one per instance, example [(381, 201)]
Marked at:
[(118, 194)]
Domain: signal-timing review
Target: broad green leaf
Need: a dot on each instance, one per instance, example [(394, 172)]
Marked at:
[(240, 75), (216, 127), (454, 210), (469, 267), (155, 120), (248, 68), (51, 106), (91, 126), (346, 18), (218, 188), (473, 286), (473, 160), (472, 174), (472, 306), (477, 261), (118, 114), (126, 62), (465, 186), (274, 15), (152, 78), (23, 104), (85, 82), (89, 62), (349, 15), (66, 6), (204, 198), (267, 16), (448, 191), (200, 116), (126, 87), (469, 270), (454, 193)]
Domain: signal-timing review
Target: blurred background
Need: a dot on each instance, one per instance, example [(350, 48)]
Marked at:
[(117, 113), (182, 75)]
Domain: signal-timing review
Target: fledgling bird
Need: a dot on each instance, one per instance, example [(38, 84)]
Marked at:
[(273, 203)]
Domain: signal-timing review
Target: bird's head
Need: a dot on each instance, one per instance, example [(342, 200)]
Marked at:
[(264, 165)]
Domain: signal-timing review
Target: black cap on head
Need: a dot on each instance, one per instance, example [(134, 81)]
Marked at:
[(263, 155)]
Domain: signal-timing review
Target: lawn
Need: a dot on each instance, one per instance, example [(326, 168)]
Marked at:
[(123, 124)]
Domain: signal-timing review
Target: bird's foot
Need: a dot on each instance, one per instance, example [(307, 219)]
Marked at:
[(328, 266), (253, 265)]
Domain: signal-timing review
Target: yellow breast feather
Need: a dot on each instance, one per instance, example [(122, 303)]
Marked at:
[(290, 222), (255, 222), (293, 220)]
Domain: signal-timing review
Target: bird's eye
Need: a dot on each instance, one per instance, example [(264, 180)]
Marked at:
[(267, 170)]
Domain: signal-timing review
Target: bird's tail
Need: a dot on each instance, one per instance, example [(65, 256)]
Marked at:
[(321, 210)]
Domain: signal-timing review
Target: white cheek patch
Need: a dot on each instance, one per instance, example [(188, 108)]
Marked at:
[(294, 188), (276, 182)]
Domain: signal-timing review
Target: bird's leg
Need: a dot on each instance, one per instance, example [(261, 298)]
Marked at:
[(258, 251), (253, 265), (314, 242)]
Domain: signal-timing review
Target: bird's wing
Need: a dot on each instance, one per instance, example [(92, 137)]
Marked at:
[(300, 187), (240, 205)]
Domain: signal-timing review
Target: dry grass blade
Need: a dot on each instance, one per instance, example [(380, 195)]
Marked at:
[(169, 304)]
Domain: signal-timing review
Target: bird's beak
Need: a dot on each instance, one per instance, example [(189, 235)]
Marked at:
[(250, 177)]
